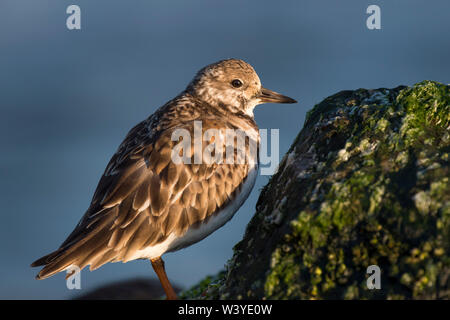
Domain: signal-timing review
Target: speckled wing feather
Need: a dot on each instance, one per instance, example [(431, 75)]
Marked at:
[(143, 197)]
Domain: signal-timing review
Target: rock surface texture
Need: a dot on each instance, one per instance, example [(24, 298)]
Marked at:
[(366, 182)]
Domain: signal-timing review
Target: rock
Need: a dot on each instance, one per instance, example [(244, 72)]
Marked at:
[(132, 289), (366, 182)]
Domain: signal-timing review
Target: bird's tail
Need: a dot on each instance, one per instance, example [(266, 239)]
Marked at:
[(49, 261), (85, 250), (84, 246)]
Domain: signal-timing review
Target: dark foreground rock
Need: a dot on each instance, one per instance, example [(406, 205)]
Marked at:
[(132, 289), (366, 182)]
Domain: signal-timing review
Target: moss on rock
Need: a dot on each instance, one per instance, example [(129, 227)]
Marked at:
[(366, 182)]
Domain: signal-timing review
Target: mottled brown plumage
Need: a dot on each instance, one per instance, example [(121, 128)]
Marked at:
[(145, 203)]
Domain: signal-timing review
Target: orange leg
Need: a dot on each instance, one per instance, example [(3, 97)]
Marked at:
[(158, 266)]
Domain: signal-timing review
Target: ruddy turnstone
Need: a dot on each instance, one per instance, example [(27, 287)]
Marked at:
[(146, 203)]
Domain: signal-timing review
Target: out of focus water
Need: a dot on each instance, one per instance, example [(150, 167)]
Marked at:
[(67, 99)]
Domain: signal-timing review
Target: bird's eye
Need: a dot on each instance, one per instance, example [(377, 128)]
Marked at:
[(236, 83)]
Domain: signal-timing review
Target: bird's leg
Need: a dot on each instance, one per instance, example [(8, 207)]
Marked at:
[(158, 266)]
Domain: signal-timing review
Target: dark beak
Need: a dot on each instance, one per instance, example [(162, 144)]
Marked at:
[(267, 95)]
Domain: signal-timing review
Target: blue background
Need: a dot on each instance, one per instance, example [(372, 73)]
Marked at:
[(67, 99)]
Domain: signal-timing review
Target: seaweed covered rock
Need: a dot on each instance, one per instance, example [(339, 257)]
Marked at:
[(366, 182)]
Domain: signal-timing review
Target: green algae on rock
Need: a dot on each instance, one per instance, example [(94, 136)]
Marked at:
[(366, 182)]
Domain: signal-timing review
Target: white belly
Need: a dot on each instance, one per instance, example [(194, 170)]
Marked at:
[(193, 235)]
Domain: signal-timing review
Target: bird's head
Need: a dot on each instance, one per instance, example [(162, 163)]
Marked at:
[(233, 84)]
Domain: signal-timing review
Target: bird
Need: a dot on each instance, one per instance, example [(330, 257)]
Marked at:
[(147, 204)]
